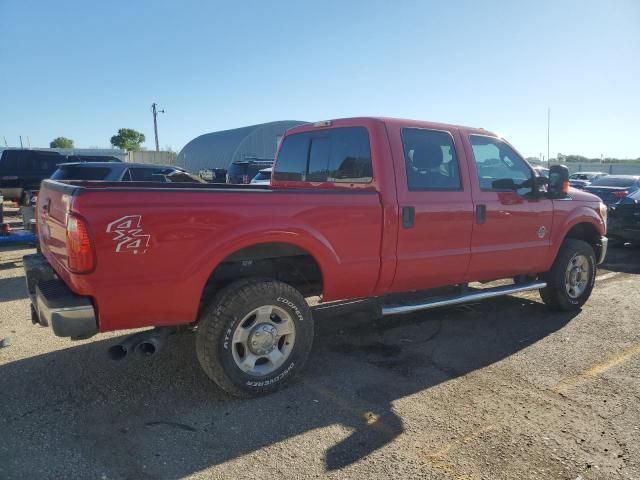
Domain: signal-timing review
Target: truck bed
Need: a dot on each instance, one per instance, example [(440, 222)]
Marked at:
[(157, 244)]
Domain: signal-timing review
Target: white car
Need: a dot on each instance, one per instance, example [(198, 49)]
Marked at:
[(263, 177)]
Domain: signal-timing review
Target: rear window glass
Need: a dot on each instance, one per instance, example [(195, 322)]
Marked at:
[(80, 173), (613, 182), (237, 169), (339, 155), (262, 175), (147, 174)]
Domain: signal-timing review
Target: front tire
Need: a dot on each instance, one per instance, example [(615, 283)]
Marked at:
[(571, 278), (254, 336)]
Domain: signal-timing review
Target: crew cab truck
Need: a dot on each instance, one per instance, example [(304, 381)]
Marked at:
[(361, 208)]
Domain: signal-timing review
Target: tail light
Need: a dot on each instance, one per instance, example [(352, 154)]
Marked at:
[(79, 248), (620, 193)]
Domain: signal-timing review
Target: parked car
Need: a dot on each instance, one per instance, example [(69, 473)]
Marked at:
[(541, 171), (22, 170), (582, 179), (263, 177), (360, 208), (123, 172), (614, 187), (243, 171), (624, 219)]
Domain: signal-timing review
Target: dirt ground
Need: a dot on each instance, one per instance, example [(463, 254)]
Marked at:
[(502, 389)]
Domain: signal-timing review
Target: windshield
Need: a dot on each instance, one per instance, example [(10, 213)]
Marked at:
[(614, 182)]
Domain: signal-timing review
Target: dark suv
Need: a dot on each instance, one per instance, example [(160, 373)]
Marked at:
[(242, 171), (22, 170)]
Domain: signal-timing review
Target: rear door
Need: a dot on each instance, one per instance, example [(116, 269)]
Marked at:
[(512, 227), (435, 206)]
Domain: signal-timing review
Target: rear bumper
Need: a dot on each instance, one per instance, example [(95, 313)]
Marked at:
[(602, 251), (54, 304)]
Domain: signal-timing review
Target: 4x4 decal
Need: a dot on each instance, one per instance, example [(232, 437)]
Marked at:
[(128, 235)]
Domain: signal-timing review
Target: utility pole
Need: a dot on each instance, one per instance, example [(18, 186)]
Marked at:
[(155, 122), (548, 132)]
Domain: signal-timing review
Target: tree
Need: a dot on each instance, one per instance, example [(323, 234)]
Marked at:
[(61, 142), (128, 139)]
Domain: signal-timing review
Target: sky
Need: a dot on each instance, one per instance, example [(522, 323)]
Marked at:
[(85, 69)]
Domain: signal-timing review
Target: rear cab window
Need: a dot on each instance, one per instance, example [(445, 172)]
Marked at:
[(335, 155)]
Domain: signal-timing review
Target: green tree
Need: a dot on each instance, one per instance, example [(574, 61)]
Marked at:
[(61, 142), (128, 139)]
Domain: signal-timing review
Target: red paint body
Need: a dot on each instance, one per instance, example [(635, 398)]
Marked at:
[(353, 231)]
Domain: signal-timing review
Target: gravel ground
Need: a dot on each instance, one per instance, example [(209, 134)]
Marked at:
[(502, 389)]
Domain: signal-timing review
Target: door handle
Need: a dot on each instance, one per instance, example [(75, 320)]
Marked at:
[(408, 217), (481, 214)]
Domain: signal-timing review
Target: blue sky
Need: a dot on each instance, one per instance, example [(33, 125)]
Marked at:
[(85, 69)]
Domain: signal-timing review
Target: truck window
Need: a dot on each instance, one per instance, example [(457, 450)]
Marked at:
[(497, 162), (143, 174), (74, 172), (430, 160), (338, 155)]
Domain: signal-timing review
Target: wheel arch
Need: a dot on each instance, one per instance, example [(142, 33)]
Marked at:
[(304, 263), (585, 225)]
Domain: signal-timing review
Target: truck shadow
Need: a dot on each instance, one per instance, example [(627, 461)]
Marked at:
[(162, 418), (624, 259)]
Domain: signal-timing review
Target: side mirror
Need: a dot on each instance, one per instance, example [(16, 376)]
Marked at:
[(558, 181)]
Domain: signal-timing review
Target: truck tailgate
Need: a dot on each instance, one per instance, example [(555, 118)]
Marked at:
[(51, 215)]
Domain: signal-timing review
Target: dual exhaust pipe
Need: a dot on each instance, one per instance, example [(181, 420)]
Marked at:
[(141, 344)]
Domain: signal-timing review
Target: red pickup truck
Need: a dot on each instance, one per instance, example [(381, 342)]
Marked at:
[(361, 208)]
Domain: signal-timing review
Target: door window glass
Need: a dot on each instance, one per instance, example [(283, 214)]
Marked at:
[(499, 167), (430, 160)]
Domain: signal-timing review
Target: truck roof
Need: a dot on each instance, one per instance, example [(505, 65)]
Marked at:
[(389, 121)]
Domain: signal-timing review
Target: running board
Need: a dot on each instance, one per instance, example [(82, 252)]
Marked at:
[(462, 298)]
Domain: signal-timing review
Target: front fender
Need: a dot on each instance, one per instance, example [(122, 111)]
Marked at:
[(565, 221)]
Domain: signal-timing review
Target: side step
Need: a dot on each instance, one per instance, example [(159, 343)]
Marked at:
[(462, 298)]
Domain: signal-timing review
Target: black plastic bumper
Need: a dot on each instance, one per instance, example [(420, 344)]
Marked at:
[(54, 304)]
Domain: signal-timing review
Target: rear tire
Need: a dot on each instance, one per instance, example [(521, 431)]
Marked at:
[(254, 336), (571, 278)]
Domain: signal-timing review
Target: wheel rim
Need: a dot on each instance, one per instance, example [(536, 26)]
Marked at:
[(577, 275), (263, 340)]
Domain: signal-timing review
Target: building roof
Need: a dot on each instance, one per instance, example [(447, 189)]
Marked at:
[(220, 149)]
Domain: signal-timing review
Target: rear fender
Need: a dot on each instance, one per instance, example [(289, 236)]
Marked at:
[(304, 237)]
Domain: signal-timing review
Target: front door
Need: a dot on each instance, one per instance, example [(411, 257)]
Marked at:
[(512, 225), (436, 210)]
